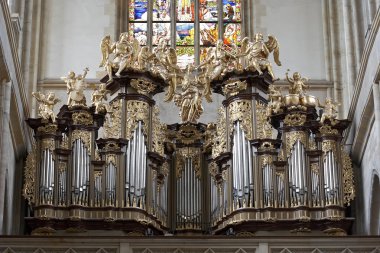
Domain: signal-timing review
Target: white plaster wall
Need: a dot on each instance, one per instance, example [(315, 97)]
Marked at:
[(298, 26), (72, 31)]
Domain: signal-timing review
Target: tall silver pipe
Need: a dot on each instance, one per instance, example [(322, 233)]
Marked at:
[(138, 161), (238, 174)]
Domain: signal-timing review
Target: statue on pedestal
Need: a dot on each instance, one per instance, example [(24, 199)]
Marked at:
[(46, 105), (75, 86)]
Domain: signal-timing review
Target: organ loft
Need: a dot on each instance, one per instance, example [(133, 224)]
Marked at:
[(272, 161)]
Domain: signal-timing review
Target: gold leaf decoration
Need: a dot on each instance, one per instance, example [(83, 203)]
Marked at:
[(327, 130), (142, 86), (220, 141), (30, 174), (136, 111), (158, 133), (348, 178), (85, 136), (264, 128), (241, 110), (112, 125), (82, 118), (48, 129), (292, 138), (295, 119)]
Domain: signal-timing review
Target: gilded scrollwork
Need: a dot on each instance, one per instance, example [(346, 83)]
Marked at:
[(30, 174), (111, 158), (48, 143), (328, 145), (266, 160), (142, 86), (326, 130), (136, 111), (48, 129), (82, 118), (112, 125), (220, 142), (295, 119), (348, 178), (158, 133), (213, 169), (241, 110), (188, 153), (264, 128), (315, 168), (233, 88), (85, 136), (292, 138), (188, 134)]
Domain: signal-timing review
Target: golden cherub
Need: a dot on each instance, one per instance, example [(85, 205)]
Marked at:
[(275, 100), (297, 84), (46, 105), (330, 111), (97, 98)]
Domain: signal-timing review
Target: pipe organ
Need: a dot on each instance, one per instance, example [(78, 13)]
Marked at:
[(269, 162)]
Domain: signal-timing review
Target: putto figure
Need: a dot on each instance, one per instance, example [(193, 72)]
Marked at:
[(330, 111), (46, 105), (97, 98), (75, 87), (297, 84)]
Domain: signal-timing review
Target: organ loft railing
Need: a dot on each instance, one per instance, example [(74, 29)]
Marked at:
[(268, 163)]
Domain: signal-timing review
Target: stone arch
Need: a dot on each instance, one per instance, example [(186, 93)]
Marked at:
[(375, 205)]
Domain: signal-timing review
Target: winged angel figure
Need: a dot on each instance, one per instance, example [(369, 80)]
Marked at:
[(47, 102), (119, 55), (258, 52)]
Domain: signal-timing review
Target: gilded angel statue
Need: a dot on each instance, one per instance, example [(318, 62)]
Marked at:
[(330, 111), (207, 67), (259, 52), (190, 99), (124, 54), (174, 73), (97, 98), (297, 84), (46, 105), (75, 86), (144, 57)]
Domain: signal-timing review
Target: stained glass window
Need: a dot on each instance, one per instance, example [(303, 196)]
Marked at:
[(189, 26)]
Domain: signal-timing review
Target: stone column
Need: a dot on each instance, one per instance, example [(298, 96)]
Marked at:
[(376, 104), (4, 116)]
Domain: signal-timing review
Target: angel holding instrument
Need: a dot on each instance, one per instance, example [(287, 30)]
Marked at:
[(46, 105), (75, 86)]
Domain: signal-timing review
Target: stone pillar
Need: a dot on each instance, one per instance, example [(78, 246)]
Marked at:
[(4, 116), (376, 104)]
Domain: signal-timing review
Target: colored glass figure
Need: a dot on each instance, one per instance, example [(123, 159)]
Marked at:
[(232, 33), (161, 10), (208, 10), (208, 34), (139, 31), (185, 10), (138, 10), (231, 10), (185, 34), (185, 55), (161, 30)]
